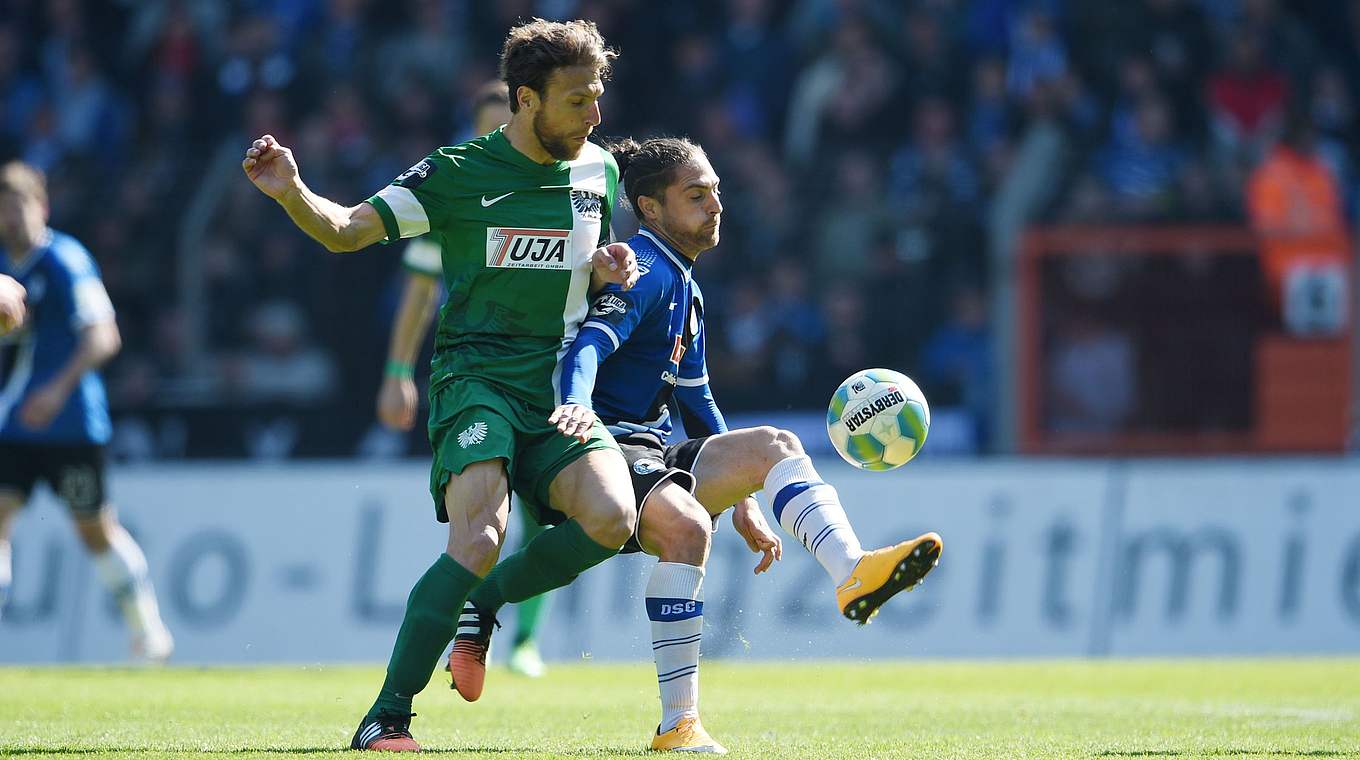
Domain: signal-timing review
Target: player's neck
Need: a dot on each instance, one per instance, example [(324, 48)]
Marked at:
[(520, 133), (670, 241)]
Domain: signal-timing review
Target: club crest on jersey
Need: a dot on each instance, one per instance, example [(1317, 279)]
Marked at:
[(608, 304), (523, 248), (413, 177), (588, 205), (647, 466)]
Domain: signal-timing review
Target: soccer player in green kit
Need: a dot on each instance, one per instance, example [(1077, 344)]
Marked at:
[(397, 399), (522, 215)]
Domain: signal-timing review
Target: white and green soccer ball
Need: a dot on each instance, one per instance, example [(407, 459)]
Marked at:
[(878, 419)]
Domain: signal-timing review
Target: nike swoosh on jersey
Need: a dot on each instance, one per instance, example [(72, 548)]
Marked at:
[(495, 200)]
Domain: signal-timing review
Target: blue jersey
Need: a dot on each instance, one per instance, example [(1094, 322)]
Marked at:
[(65, 295), (641, 350)]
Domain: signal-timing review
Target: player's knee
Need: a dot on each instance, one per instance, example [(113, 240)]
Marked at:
[(479, 550), (687, 538), (95, 532), (612, 523), (780, 444)]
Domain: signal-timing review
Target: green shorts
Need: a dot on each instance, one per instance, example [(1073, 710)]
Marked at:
[(472, 420)]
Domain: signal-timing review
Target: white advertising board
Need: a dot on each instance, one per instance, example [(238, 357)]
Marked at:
[(312, 563)]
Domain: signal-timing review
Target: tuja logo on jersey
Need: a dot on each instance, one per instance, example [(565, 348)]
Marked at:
[(587, 204), (416, 175), (522, 248)]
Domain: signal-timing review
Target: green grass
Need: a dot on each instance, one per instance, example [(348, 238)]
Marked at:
[(1037, 709)]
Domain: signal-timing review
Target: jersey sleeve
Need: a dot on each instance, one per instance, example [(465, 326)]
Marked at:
[(614, 314), (698, 410), (418, 200), (84, 298), (617, 312), (424, 257)]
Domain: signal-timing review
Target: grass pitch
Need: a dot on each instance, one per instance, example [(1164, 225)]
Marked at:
[(1037, 709)]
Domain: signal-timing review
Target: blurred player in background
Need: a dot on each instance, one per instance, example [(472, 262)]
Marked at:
[(523, 216), (12, 308), (640, 351), (54, 418), (397, 399)]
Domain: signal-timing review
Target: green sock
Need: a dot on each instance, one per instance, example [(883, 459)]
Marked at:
[(551, 560), (530, 611), (431, 618)]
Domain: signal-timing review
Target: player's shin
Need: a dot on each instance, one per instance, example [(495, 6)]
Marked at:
[(123, 571), (675, 606), (551, 560), (811, 512), (426, 629)]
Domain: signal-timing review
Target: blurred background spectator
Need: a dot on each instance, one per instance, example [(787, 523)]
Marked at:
[(863, 145)]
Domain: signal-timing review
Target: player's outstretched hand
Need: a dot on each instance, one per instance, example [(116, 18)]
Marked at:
[(750, 524), (12, 310), (397, 403), (573, 421), (43, 406), (271, 167), (615, 263)]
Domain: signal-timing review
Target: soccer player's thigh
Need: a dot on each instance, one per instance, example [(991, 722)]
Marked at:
[(588, 482), (477, 502), (673, 526), (76, 475), (474, 439), (731, 466)]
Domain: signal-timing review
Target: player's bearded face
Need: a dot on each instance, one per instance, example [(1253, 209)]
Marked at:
[(568, 112)]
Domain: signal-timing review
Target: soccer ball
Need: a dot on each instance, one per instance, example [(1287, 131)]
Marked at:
[(878, 419)]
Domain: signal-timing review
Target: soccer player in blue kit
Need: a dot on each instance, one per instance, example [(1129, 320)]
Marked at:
[(639, 352), (54, 419)]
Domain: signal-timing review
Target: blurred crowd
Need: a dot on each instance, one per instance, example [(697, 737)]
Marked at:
[(861, 144)]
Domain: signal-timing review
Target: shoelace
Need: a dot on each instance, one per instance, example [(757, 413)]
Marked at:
[(395, 724)]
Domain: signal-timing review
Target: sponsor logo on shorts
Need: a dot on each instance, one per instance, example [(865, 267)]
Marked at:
[(475, 434), (524, 248), (648, 466)]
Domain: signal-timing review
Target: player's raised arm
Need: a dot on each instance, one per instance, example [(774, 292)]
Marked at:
[(274, 171)]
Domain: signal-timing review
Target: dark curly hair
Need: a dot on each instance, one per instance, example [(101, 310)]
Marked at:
[(537, 48), (646, 168)]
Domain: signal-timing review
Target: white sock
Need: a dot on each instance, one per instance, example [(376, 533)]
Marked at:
[(811, 512), (675, 605), (122, 570)]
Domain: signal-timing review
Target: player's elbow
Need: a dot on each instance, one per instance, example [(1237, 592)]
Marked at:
[(104, 340), (114, 341), (340, 244)]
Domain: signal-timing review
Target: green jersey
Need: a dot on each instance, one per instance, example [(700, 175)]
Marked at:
[(516, 241)]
